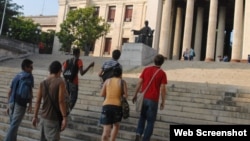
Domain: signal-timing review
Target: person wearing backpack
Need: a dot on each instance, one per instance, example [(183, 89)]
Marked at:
[(72, 66), (19, 95), (108, 66), (113, 89), (51, 94)]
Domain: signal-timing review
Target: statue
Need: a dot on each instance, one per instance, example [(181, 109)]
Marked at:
[(145, 35)]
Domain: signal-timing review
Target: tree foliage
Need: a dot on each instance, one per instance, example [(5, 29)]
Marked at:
[(81, 28), (12, 11), (24, 29), (47, 40)]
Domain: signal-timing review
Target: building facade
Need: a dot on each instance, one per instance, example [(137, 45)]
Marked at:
[(46, 22), (212, 28)]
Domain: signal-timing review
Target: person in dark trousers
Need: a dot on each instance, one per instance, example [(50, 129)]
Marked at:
[(72, 87), (52, 92), (16, 110), (151, 97)]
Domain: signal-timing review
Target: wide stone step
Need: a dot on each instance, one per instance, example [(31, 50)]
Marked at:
[(196, 95)]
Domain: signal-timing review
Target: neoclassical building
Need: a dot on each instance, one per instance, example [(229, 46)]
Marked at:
[(211, 27), (46, 22)]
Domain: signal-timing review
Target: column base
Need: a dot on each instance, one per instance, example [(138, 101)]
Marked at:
[(244, 61), (235, 60), (209, 60)]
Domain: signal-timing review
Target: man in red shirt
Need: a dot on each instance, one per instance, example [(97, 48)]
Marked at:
[(72, 87), (151, 97)]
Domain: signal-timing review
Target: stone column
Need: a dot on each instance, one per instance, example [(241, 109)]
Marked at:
[(188, 25), (211, 34), (237, 31), (177, 34), (221, 33), (154, 14), (246, 37), (62, 11), (198, 33), (164, 46), (100, 42), (117, 27)]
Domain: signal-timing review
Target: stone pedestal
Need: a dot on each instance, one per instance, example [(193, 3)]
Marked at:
[(137, 54)]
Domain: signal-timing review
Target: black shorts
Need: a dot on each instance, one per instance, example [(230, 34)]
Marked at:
[(111, 114)]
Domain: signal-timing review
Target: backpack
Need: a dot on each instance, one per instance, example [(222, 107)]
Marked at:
[(23, 89), (108, 73), (71, 70)]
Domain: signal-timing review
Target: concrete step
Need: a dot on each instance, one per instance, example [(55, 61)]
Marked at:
[(196, 91)]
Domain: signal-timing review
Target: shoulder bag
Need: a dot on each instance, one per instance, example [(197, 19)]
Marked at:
[(124, 103), (140, 95)]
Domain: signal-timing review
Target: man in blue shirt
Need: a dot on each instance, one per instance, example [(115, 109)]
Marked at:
[(111, 63), (16, 110)]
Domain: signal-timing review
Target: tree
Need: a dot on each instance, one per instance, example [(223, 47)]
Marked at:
[(81, 28), (24, 29), (65, 37), (10, 13), (47, 40)]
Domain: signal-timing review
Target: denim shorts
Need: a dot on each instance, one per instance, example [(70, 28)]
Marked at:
[(111, 114)]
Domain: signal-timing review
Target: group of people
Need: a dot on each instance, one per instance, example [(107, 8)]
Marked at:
[(53, 90), (188, 54), (224, 58)]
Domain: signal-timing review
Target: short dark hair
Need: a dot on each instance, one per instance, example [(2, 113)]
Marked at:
[(76, 51), (117, 72), (26, 63), (159, 60), (55, 67), (116, 54)]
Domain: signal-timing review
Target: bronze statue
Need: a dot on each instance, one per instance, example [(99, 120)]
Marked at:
[(145, 35)]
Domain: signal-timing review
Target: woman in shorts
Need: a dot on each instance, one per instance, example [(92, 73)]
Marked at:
[(111, 114)]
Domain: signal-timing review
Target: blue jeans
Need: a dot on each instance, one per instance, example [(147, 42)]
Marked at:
[(148, 113), (16, 116)]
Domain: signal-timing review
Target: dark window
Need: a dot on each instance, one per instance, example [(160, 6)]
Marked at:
[(128, 13), (107, 45), (125, 40), (96, 11), (92, 47), (111, 15), (72, 8)]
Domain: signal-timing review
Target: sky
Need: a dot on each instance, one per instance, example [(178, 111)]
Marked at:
[(38, 7)]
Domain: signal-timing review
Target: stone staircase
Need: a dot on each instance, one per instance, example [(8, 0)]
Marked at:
[(198, 93), (84, 117)]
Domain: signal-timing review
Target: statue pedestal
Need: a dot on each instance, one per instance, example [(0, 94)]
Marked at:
[(137, 54)]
